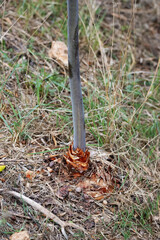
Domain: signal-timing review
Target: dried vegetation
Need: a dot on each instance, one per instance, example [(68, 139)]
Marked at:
[(120, 71)]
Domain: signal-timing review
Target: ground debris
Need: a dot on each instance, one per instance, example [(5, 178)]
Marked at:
[(23, 235)]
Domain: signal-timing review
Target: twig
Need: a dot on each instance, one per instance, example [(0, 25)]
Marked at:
[(10, 213), (43, 210)]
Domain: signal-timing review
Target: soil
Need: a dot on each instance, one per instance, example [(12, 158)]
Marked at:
[(137, 24)]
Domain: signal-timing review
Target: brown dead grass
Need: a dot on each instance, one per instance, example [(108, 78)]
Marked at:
[(63, 197)]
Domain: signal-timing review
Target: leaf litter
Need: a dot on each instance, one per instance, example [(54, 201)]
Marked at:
[(23, 235), (94, 179), (70, 193), (59, 52)]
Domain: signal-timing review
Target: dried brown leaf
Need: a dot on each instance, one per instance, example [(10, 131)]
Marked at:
[(96, 186), (59, 52), (23, 235)]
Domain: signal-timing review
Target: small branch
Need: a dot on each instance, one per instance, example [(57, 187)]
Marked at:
[(43, 210)]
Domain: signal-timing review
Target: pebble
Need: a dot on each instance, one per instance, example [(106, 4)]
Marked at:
[(104, 202), (78, 189)]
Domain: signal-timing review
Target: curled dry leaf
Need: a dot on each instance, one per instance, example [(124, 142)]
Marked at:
[(23, 235), (59, 52), (77, 159), (97, 187)]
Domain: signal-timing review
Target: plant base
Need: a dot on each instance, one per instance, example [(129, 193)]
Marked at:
[(77, 159)]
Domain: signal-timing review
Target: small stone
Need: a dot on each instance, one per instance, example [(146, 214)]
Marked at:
[(104, 202), (78, 189)]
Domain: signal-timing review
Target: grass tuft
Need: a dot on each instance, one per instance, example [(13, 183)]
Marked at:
[(120, 82)]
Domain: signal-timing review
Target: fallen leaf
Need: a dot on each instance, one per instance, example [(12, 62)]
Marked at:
[(59, 51), (97, 187), (23, 235), (2, 168)]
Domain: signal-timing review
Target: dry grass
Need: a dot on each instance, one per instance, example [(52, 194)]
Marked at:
[(120, 73)]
